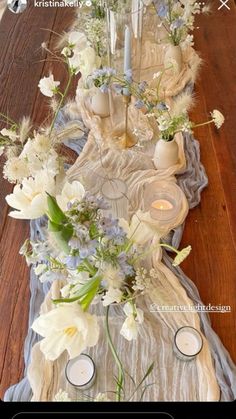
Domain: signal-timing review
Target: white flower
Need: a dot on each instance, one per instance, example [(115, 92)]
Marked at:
[(101, 397), (1, 150), (139, 230), (112, 276), (142, 280), (70, 193), (15, 170), (41, 143), (181, 255), (75, 283), (84, 61), (66, 327), (62, 396), (188, 41), (48, 85), (30, 199), (113, 295), (218, 118), (40, 268), (9, 133), (66, 52), (134, 315), (156, 75)]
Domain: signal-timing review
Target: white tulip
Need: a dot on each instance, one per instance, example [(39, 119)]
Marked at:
[(70, 193), (48, 85), (141, 228), (66, 327), (30, 198)]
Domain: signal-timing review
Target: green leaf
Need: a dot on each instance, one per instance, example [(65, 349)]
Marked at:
[(85, 294), (54, 227), (93, 231), (63, 236), (65, 300), (55, 213), (149, 370)]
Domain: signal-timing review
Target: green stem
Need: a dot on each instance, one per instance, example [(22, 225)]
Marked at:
[(61, 102), (89, 267), (168, 246), (116, 358), (8, 119), (152, 248), (203, 123)]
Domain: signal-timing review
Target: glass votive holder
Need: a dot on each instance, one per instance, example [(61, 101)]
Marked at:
[(115, 193), (81, 372), (163, 200), (188, 343)]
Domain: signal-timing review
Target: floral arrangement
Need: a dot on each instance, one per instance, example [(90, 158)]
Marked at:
[(170, 120), (178, 16), (99, 258), (92, 22)]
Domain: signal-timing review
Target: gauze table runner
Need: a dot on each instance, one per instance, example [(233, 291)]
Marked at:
[(212, 374)]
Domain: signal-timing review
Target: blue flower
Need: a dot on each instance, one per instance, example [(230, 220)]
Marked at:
[(162, 106), (108, 222), (72, 261), (103, 204), (162, 10), (142, 86), (139, 104), (118, 88), (88, 249), (74, 243), (125, 267), (104, 88), (128, 76), (177, 24)]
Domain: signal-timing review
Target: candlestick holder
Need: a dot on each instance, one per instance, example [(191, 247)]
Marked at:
[(122, 136)]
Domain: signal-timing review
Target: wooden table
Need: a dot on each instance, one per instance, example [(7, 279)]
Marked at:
[(210, 228)]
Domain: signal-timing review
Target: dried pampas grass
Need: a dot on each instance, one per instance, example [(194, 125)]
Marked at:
[(182, 104), (25, 128)]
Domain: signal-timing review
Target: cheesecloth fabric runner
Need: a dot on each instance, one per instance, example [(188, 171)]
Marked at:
[(173, 379)]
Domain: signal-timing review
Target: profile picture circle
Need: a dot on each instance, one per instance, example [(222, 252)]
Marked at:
[(16, 6)]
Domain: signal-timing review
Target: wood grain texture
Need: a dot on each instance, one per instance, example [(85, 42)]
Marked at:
[(20, 71), (210, 228)]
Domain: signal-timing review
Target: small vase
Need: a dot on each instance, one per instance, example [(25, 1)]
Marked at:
[(100, 104), (173, 59), (166, 154)]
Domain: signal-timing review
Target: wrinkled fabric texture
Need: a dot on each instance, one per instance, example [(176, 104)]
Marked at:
[(192, 182)]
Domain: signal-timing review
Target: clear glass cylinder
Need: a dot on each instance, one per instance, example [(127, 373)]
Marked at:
[(124, 14)]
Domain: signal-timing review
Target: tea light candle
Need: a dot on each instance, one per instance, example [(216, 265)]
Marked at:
[(188, 343), (163, 200), (162, 204), (81, 372)]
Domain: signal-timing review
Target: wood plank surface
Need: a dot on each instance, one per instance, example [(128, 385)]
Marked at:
[(21, 37), (210, 228)]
